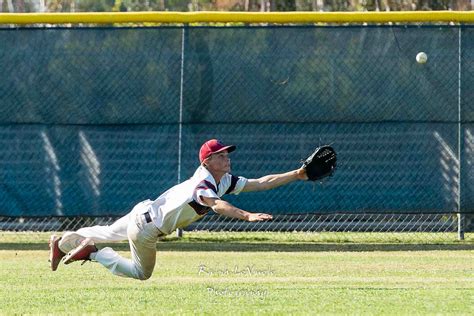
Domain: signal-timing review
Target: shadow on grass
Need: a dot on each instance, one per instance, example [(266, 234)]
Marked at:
[(264, 247)]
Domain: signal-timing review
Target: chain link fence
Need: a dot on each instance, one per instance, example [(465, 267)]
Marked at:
[(94, 120), (431, 223), (358, 228)]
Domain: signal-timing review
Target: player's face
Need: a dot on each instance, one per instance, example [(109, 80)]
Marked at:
[(219, 162)]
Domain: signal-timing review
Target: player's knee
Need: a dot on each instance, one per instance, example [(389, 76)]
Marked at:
[(144, 276)]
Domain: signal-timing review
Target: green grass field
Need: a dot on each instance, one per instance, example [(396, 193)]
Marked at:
[(254, 273)]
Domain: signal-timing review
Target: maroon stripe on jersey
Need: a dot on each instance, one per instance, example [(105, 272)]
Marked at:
[(198, 208), (210, 185), (233, 183)]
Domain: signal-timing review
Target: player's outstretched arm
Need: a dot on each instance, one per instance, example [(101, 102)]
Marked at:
[(274, 180), (225, 208)]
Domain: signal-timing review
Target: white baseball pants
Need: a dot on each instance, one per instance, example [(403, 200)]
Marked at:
[(141, 234)]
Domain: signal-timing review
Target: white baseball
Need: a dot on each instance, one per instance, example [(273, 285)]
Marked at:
[(421, 58)]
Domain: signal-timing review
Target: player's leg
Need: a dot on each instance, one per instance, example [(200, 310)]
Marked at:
[(111, 233), (142, 238), (60, 246), (115, 232)]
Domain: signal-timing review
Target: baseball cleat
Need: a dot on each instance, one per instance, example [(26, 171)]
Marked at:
[(55, 254), (81, 252)]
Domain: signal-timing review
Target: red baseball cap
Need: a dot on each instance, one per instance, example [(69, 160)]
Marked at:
[(213, 146)]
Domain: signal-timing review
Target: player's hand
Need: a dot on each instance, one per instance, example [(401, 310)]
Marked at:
[(258, 217), (301, 174)]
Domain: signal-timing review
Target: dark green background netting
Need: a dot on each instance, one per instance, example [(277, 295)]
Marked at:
[(93, 120)]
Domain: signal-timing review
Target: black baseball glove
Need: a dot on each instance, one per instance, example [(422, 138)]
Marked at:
[(321, 163)]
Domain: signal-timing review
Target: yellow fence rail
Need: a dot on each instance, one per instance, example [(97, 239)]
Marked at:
[(236, 17)]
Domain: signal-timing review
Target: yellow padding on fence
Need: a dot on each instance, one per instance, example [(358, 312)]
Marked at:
[(244, 17)]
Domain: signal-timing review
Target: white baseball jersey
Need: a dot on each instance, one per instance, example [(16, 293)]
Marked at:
[(182, 204)]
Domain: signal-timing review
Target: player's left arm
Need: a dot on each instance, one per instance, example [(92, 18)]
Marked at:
[(274, 180), (225, 208)]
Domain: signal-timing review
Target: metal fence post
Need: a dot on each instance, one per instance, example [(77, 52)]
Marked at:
[(460, 215), (460, 226), (179, 231)]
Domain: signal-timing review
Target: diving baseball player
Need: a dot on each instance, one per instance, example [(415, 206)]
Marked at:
[(176, 208)]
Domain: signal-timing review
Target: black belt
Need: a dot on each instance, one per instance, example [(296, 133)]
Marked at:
[(148, 220), (147, 217)]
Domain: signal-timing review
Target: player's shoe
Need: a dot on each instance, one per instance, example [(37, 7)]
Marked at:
[(81, 252), (55, 254)]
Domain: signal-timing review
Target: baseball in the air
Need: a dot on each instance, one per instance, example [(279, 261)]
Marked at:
[(421, 58)]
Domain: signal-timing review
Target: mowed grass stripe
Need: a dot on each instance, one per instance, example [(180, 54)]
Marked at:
[(281, 283)]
